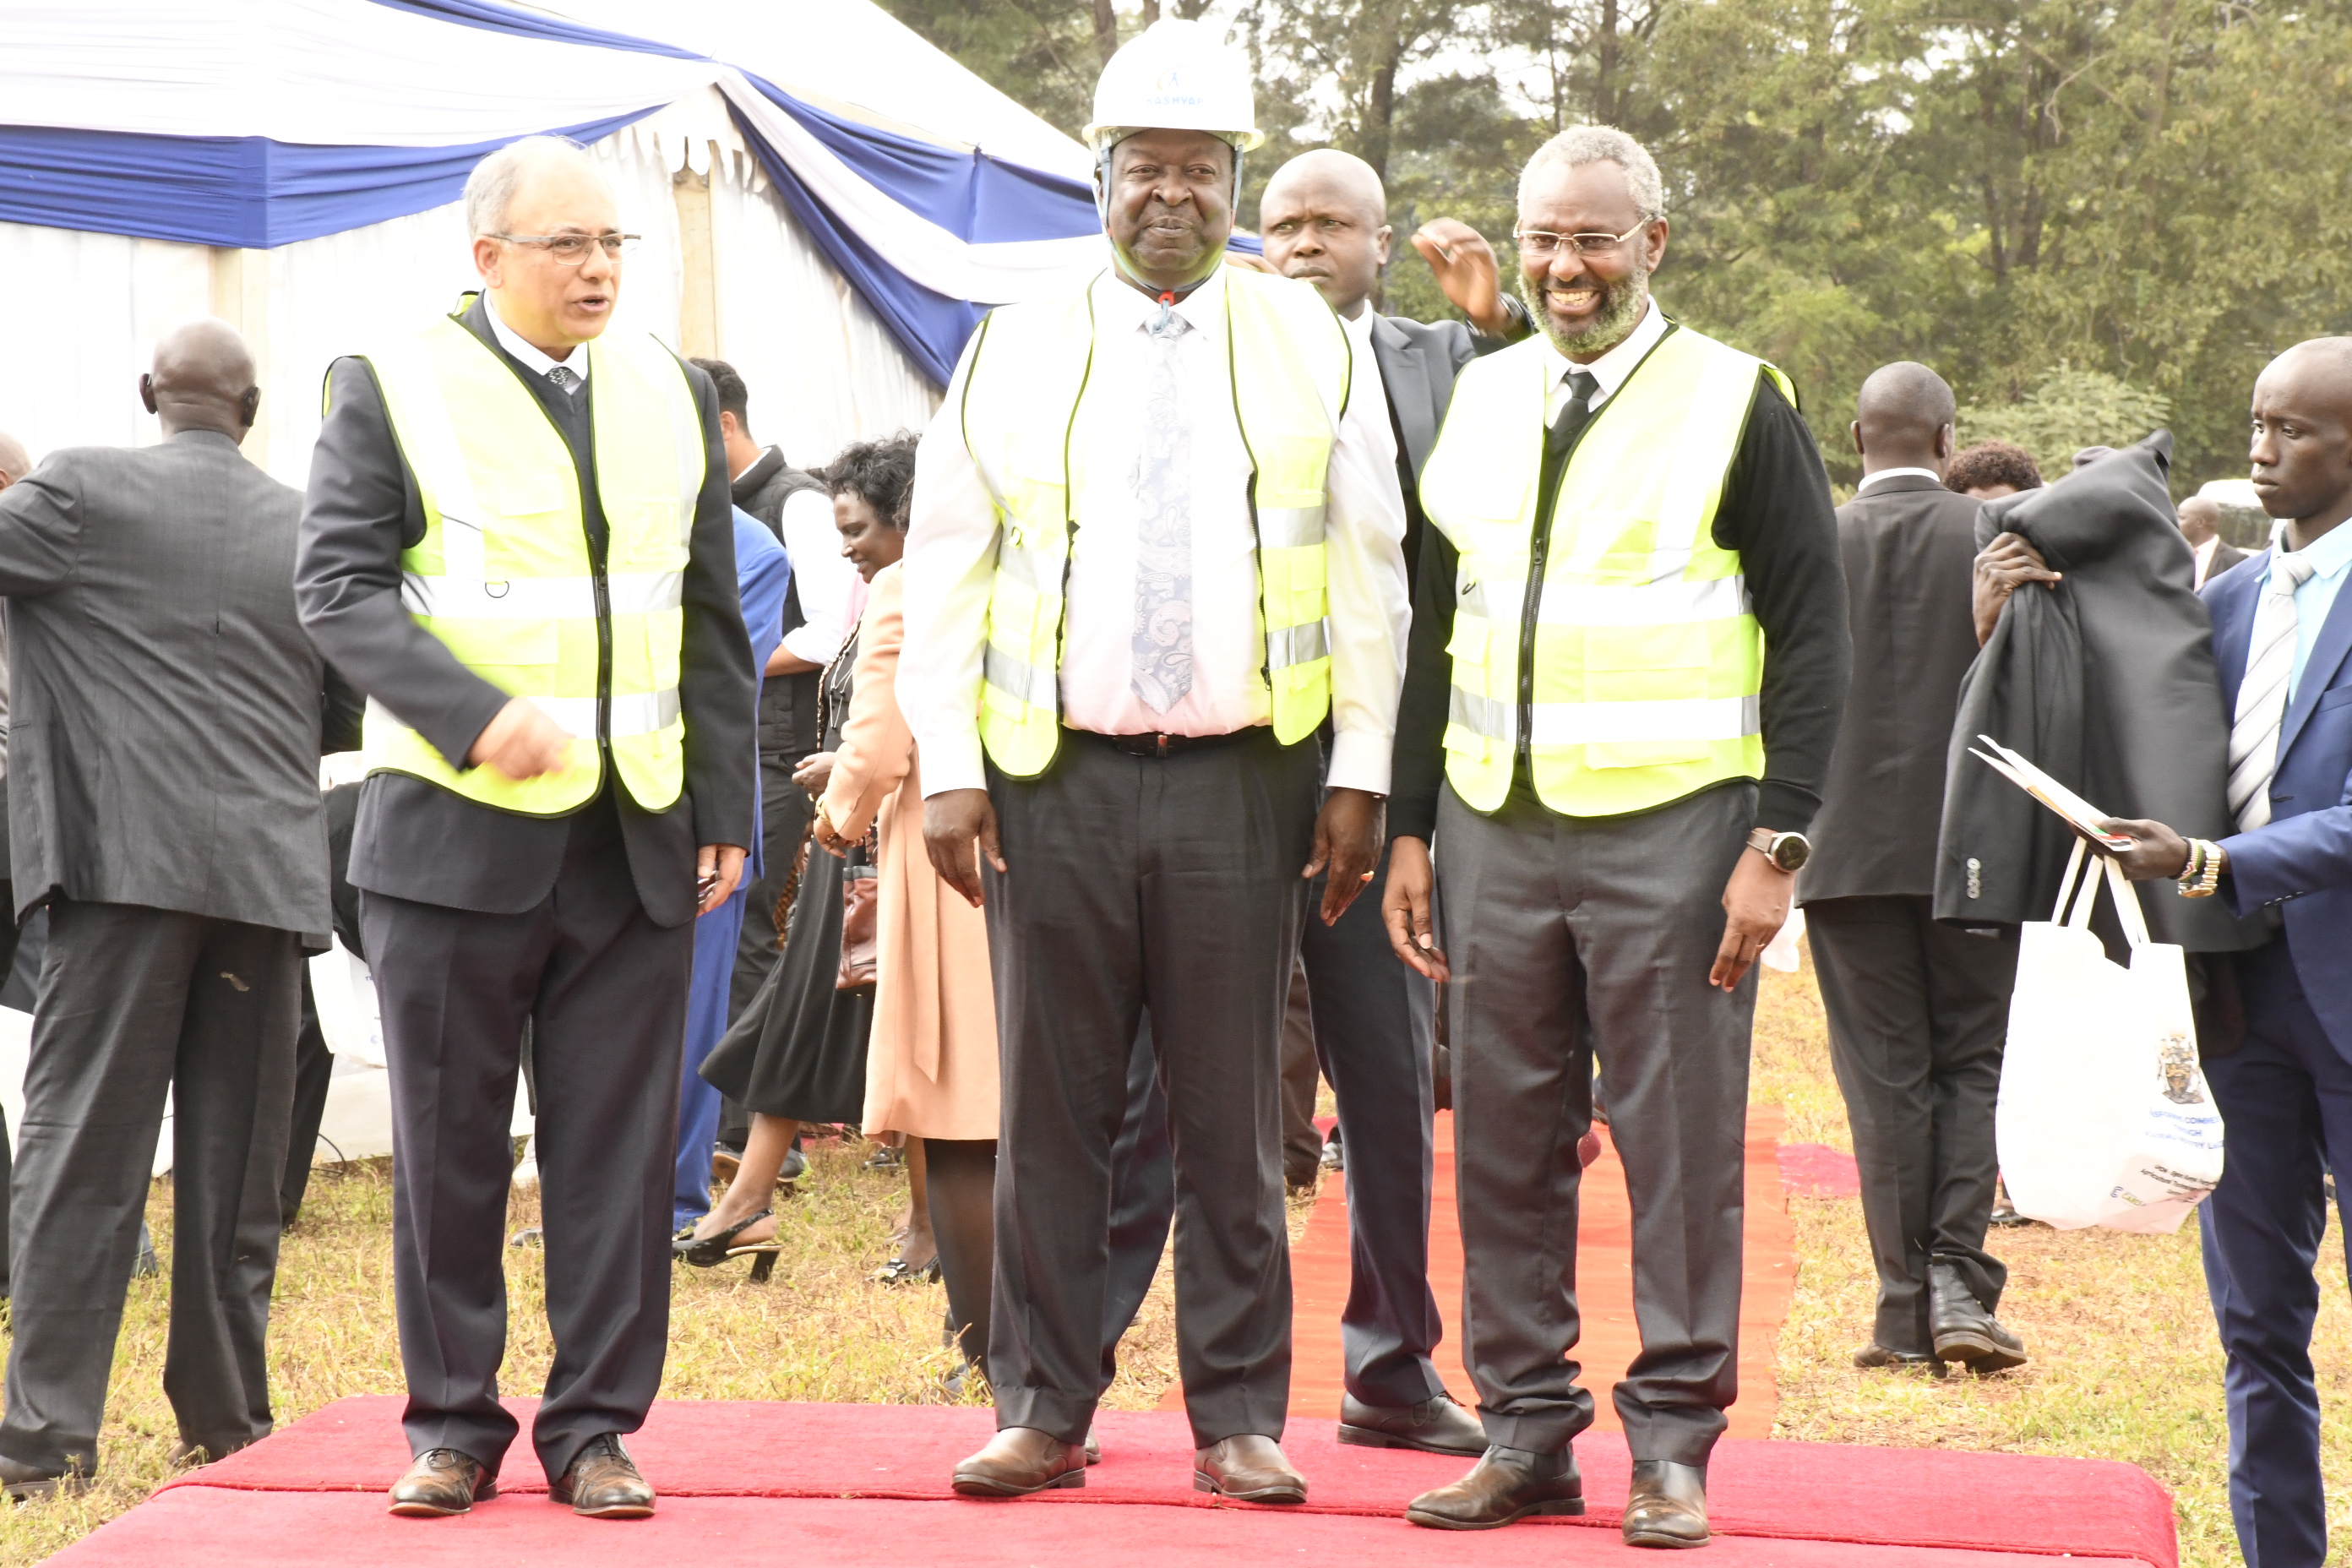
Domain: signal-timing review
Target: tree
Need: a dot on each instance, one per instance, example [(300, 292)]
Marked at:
[(2071, 409)]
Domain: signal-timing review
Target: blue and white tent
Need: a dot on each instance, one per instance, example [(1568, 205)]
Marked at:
[(827, 201)]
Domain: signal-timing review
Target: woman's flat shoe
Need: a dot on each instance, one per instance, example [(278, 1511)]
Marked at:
[(716, 1247), (898, 1271)]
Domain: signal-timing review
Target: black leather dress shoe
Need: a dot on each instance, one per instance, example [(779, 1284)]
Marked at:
[(1504, 1485), (602, 1482), (23, 1483), (1020, 1460), (1434, 1427), (1964, 1330), (441, 1482), (1874, 1354), (1666, 1505)]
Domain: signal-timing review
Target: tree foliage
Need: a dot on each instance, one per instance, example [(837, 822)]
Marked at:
[(2079, 211)]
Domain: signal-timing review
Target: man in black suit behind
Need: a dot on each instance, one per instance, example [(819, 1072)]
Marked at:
[(577, 920), (166, 724), (1324, 216), (1918, 1010)]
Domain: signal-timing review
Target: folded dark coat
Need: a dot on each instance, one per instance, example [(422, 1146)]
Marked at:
[(2105, 679)]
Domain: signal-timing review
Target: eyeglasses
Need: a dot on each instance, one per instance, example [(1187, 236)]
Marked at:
[(1541, 242), (571, 249)]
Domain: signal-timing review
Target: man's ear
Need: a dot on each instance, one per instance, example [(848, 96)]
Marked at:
[(1947, 442), (1381, 242), (1854, 432), (249, 404), (728, 428), (147, 393)]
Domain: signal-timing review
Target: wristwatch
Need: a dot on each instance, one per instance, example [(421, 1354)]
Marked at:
[(1787, 851)]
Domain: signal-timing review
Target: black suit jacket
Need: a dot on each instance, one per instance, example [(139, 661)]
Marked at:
[(167, 712), (1909, 547), (415, 841), (1419, 361), (2225, 555)]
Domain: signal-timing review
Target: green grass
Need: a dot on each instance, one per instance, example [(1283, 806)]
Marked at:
[(2126, 1364)]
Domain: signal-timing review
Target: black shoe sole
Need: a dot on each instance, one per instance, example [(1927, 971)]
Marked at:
[(1204, 1482), (1979, 1355), (1558, 1507), (976, 1486), (1373, 1437)]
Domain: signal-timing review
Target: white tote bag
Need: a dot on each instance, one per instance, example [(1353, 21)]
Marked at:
[(2103, 1117)]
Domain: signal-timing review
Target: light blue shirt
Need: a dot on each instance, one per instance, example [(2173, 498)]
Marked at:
[(2329, 555)]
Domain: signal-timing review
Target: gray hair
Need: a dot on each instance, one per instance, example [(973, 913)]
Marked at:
[(490, 188), (1582, 145)]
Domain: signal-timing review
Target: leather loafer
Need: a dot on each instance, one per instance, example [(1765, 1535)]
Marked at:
[(1435, 1425), (23, 1483), (1505, 1484), (1248, 1469), (441, 1482), (1020, 1460), (1874, 1355), (602, 1482), (1963, 1329), (1667, 1505)]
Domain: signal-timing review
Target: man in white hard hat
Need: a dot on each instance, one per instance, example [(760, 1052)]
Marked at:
[(1155, 543)]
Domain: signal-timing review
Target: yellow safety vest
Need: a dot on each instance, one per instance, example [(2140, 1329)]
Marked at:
[(1289, 363), (503, 575), (1630, 675)]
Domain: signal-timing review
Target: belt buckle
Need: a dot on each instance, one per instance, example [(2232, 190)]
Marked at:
[(1160, 741)]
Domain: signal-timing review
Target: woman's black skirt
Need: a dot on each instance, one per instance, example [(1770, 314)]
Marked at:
[(798, 1049)]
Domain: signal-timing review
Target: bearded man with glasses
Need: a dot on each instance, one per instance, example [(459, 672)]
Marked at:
[(520, 541), (1627, 663)]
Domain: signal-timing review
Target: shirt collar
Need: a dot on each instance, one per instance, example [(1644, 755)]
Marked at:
[(2328, 554), (1870, 480), (527, 354), (1359, 330), (1120, 305), (1611, 368)]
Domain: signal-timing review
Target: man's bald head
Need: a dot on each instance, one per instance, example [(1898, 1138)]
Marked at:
[(1324, 218), (15, 461), (203, 379), (2302, 449), (1903, 418), (2200, 519)]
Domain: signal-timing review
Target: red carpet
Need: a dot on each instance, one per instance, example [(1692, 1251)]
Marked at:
[(1604, 1276), (761, 1483), (1818, 1170)]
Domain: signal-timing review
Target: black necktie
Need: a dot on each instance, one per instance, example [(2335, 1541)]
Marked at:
[(1573, 413)]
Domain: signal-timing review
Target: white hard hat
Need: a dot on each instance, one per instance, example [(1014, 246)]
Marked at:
[(1176, 75)]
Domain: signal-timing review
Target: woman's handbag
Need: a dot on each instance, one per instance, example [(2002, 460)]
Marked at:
[(858, 921), (2104, 1118)]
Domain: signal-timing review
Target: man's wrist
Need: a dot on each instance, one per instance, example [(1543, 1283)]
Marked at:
[(1784, 852)]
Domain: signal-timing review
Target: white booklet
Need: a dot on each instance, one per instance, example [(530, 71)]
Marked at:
[(2079, 814)]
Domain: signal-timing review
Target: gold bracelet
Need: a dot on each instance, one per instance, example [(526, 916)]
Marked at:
[(2193, 863), (2203, 877), (2211, 883)]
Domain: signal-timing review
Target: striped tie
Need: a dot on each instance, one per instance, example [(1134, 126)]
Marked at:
[(2262, 696)]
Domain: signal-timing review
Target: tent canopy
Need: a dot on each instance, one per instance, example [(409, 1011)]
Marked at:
[(274, 122)]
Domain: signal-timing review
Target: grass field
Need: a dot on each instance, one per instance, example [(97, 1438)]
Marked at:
[(2126, 1365)]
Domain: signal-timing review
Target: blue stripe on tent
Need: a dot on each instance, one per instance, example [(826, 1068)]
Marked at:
[(243, 190), (498, 18)]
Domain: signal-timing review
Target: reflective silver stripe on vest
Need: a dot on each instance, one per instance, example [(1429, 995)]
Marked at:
[(1490, 717), (541, 598), (1598, 723), (1038, 688), (1298, 644), (1289, 527), (1671, 603), (633, 713)]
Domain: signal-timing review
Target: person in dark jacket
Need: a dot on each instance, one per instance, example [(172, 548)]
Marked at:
[(167, 719), (1917, 1009)]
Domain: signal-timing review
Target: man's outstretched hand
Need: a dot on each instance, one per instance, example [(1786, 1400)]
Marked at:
[(955, 822), (1405, 908), (1347, 845)]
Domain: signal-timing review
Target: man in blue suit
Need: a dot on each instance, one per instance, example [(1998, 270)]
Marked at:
[(2281, 635)]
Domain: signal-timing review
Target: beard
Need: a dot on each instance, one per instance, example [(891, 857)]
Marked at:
[(1622, 304)]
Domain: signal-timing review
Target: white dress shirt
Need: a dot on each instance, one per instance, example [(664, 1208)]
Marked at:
[(821, 575), (531, 359), (952, 553), (1870, 480), (1610, 369)]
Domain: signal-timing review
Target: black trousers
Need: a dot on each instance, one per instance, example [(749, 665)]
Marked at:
[(1169, 886), (135, 1002), (1373, 1019), (1918, 1011), (785, 810), (604, 989), (314, 1072)]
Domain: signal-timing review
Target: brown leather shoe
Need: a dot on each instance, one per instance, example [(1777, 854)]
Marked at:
[(441, 1482), (602, 1482), (1248, 1469), (1020, 1460), (1667, 1505), (1505, 1484), (1434, 1427)]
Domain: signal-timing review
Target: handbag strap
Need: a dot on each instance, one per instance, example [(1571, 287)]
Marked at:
[(2077, 892), (2129, 913)]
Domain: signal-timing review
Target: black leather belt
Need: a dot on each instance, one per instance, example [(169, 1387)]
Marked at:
[(1160, 747)]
